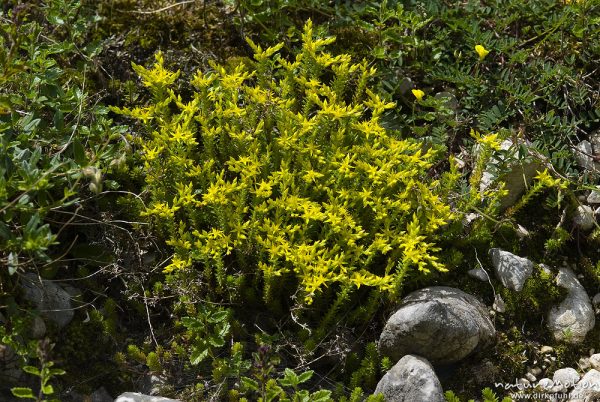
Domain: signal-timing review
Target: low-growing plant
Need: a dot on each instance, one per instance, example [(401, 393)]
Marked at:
[(45, 372), (56, 144), (53, 137), (487, 394), (286, 170)]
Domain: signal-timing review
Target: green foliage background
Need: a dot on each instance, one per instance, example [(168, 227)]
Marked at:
[(265, 161)]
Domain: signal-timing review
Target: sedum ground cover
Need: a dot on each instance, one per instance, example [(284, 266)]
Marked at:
[(242, 191)]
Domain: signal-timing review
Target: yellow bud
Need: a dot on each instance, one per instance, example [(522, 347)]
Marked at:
[(481, 51), (418, 94)]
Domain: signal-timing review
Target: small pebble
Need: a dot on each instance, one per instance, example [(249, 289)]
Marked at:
[(594, 197), (530, 377), (584, 363), (546, 384), (546, 349), (596, 303), (478, 273), (536, 371), (522, 232), (595, 361), (584, 217), (499, 304)]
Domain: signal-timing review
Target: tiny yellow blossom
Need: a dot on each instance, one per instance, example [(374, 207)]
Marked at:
[(491, 140), (481, 51), (418, 94), (264, 190)]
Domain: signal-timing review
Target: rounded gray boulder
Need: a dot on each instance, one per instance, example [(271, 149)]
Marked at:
[(440, 323), (411, 379)]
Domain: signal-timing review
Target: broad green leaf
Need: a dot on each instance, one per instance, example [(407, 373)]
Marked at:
[(290, 379), (249, 384), (216, 341), (218, 316), (79, 153), (321, 396), (198, 355), (307, 375)]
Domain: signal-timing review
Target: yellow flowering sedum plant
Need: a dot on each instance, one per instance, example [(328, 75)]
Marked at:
[(286, 170)]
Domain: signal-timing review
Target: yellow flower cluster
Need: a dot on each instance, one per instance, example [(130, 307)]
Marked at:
[(292, 173)]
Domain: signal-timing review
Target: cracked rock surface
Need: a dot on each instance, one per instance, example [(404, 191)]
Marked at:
[(411, 379), (442, 324), (573, 318)]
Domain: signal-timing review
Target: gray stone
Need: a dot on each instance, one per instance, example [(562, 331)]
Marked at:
[(411, 379), (530, 377), (101, 395), (499, 304), (50, 299), (450, 100), (565, 378), (470, 218), (10, 367), (536, 371), (596, 302), (584, 155), (510, 269), (38, 328), (546, 349), (574, 317), (440, 323), (595, 361), (594, 197), (517, 173), (74, 292), (522, 232), (584, 217), (546, 384), (595, 141), (524, 384), (588, 388), (478, 273), (137, 397), (152, 384), (584, 363), (405, 85)]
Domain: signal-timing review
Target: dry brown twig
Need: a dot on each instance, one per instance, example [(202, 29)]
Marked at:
[(160, 10)]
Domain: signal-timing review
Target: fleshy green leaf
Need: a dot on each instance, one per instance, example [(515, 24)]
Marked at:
[(21, 392)]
